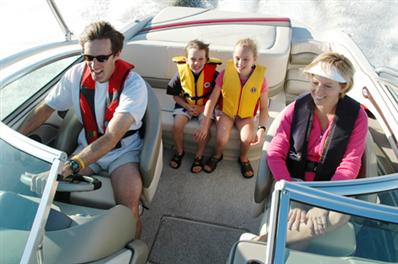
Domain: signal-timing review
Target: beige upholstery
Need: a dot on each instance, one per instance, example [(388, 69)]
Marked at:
[(66, 139), (73, 234), (329, 250), (93, 239), (244, 251), (264, 179), (302, 52), (273, 39), (151, 157)]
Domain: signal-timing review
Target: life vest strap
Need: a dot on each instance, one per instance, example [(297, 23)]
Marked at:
[(127, 134), (206, 95), (311, 166)]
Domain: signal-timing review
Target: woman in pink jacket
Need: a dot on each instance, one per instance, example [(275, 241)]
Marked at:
[(321, 137)]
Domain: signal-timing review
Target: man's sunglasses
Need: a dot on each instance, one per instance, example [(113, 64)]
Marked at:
[(99, 58)]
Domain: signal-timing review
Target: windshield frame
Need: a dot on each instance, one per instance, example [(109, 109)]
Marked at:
[(286, 192), (57, 158)]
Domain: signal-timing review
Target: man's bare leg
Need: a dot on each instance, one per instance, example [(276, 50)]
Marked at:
[(127, 187)]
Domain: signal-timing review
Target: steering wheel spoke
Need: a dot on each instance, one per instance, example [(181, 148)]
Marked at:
[(74, 183)]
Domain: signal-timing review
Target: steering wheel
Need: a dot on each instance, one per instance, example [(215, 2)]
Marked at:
[(73, 183), (78, 183)]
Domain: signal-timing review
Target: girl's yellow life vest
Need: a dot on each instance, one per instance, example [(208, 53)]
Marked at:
[(196, 93), (237, 100)]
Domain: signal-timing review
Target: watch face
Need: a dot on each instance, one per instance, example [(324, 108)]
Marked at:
[(74, 166)]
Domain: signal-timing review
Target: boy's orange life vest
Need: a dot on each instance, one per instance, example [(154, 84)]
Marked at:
[(87, 92), (237, 100), (196, 93)]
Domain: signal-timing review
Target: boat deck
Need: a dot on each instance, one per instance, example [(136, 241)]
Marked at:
[(196, 218)]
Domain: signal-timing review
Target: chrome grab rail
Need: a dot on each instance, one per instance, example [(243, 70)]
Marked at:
[(60, 20), (388, 74)]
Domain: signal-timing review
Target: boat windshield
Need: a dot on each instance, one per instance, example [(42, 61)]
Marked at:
[(354, 240), (353, 228), (21, 209), (18, 205)]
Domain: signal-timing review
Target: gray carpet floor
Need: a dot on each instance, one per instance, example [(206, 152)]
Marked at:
[(222, 198), (192, 242)]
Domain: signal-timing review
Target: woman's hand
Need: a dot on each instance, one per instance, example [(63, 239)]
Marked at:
[(318, 220), (296, 217)]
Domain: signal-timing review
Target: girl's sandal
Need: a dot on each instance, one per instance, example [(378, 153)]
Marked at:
[(175, 162), (212, 164), (246, 168), (197, 164)]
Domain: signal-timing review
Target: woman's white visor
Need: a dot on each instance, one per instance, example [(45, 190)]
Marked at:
[(327, 71)]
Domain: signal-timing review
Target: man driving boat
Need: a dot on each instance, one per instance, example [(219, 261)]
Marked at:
[(110, 100)]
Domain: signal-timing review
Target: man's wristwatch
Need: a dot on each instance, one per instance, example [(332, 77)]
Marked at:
[(74, 166), (261, 127)]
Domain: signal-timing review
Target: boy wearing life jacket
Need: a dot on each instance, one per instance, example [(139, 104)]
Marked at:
[(191, 87), (110, 100), (244, 90)]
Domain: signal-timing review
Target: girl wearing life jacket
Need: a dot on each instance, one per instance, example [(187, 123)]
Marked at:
[(321, 137), (243, 89), (191, 87)]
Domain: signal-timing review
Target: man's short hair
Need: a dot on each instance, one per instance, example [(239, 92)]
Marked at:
[(102, 30)]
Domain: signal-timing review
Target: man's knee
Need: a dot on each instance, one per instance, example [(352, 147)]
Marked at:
[(128, 175)]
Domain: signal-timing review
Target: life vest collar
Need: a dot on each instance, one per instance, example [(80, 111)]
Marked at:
[(183, 59), (87, 94)]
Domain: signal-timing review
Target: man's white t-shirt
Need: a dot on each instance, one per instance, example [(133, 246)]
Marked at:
[(133, 100)]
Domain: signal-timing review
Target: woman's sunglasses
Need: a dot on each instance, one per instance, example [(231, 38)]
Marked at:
[(99, 58)]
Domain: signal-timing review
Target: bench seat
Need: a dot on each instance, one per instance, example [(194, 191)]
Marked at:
[(151, 52)]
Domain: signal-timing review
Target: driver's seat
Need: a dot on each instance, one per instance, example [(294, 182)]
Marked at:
[(151, 158)]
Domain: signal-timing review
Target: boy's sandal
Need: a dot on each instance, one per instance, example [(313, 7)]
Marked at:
[(177, 159), (245, 168), (197, 163), (212, 164)]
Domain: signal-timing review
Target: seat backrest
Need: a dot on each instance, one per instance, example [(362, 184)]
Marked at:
[(68, 132), (369, 160), (264, 179), (151, 50), (152, 146)]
